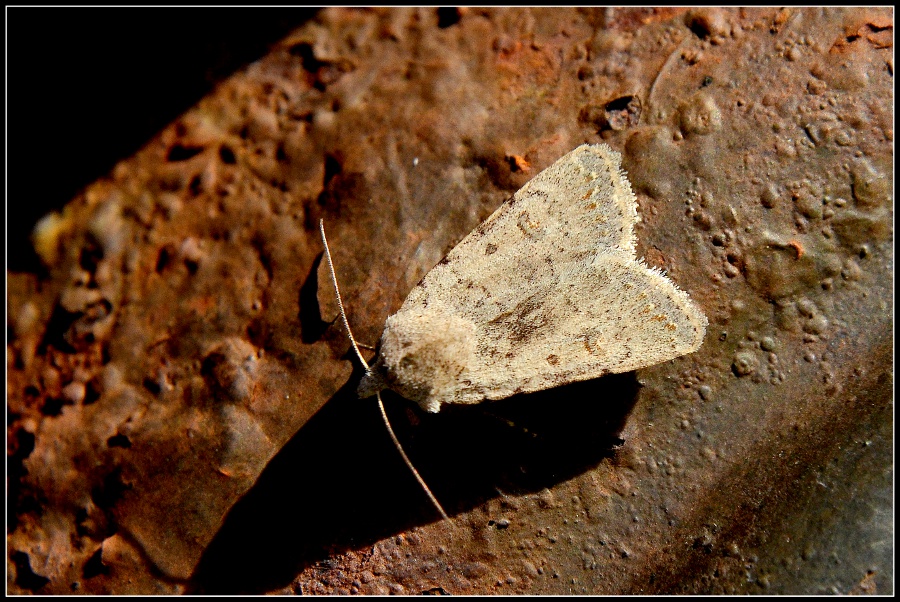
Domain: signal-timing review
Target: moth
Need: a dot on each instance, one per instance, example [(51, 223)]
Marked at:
[(548, 290)]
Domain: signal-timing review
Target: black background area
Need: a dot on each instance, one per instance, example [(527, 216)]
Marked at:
[(88, 87)]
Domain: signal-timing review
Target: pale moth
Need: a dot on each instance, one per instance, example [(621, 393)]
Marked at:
[(546, 291)]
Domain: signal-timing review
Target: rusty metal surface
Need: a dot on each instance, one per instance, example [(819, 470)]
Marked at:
[(182, 411)]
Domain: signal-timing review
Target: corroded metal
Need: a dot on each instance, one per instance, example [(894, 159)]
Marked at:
[(181, 401)]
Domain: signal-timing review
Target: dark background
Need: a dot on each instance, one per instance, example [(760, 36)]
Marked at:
[(87, 87)]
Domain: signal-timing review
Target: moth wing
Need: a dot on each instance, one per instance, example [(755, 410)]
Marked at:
[(576, 209), (552, 288), (615, 316)]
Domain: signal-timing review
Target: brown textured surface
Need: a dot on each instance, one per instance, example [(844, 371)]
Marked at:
[(175, 358)]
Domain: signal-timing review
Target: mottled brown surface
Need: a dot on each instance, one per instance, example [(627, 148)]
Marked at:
[(182, 415)]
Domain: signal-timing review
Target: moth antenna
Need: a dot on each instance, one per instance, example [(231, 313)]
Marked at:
[(387, 423), (337, 293), (409, 464)]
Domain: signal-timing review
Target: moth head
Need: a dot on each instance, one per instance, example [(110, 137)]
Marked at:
[(423, 354)]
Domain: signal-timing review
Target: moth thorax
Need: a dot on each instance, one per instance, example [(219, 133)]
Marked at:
[(423, 354)]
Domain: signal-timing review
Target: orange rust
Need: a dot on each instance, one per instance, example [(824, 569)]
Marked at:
[(877, 30), (797, 247), (519, 163), (632, 19)]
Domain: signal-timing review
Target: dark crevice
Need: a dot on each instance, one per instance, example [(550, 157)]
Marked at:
[(312, 327), (52, 406), (281, 154), (152, 386), (21, 445), (94, 566), (332, 169), (321, 73), (617, 114), (337, 186), (619, 104), (90, 257), (25, 577), (304, 51), (195, 187), (92, 391), (55, 334), (259, 245), (81, 517), (110, 490), (164, 259), (623, 112), (258, 334), (699, 26), (448, 16), (227, 155), (179, 152), (119, 441)]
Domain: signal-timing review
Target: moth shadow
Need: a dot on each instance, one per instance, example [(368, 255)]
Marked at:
[(521, 444), (312, 327), (340, 484)]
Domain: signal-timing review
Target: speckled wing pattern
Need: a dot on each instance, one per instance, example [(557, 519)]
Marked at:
[(554, 290)]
